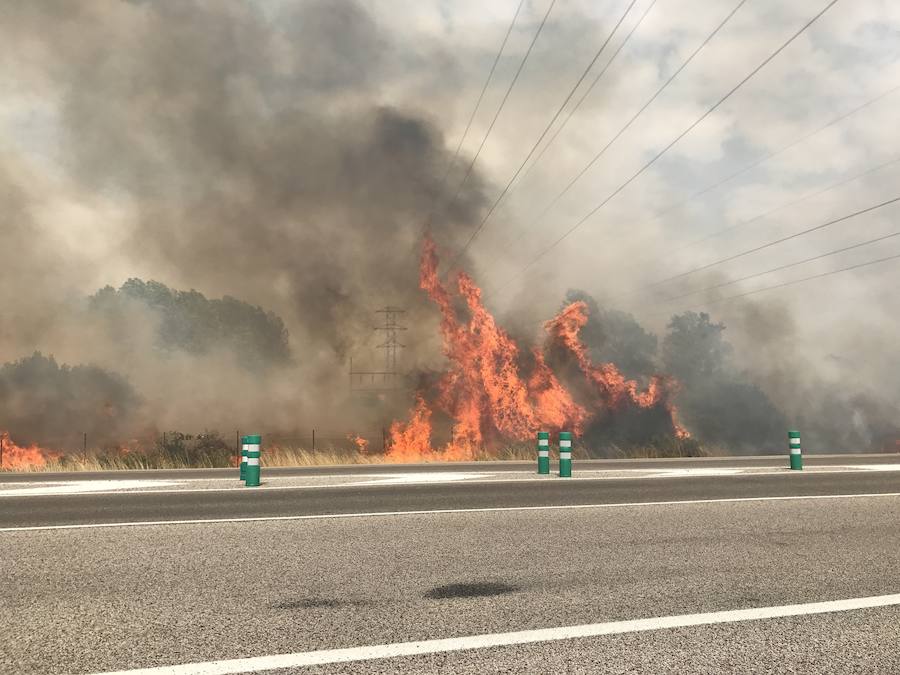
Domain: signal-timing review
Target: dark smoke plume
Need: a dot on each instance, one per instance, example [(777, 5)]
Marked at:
[(245, 153)]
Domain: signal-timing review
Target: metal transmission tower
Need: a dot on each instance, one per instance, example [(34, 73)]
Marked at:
[(362, 381), (390, 344)]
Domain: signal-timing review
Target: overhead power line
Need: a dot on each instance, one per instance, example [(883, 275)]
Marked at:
[(770, 244), (484, 89), (765, 214), (765, 158), (625, 128), (684, 133), (793, 202), (780, 268), (793, 282), (550, 124), (588, 90), (503, 101)]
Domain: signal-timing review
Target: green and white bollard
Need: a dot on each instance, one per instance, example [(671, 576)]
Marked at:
[(252, 473), (543, 452), (565, 454), (243, 458), (796, 456)]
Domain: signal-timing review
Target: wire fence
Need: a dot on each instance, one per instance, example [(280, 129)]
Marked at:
[(311, 439), (368, 441)]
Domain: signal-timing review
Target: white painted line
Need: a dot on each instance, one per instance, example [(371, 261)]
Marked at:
[(872, 467), (488, 509), (699, 473), (325, 656), (584, 475), (643, 474), (416, 478), (83, 487)]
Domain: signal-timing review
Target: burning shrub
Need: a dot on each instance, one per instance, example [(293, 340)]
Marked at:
[(613, 336), (486, 395)]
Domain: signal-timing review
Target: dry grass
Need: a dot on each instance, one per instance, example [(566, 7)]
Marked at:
[(273, 456), (654, 452), (285, 456)]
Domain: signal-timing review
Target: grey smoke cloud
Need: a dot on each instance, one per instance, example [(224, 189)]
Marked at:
[(287, 153), (251, 156)]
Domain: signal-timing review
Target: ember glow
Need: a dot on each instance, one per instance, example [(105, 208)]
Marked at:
[(18, 458), (484, 392)]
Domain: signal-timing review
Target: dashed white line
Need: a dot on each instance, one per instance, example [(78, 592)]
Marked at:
[(387, 651)]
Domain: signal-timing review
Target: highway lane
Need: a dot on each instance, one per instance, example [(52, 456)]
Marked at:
[(50, 510), (96, 600), (775, 461)]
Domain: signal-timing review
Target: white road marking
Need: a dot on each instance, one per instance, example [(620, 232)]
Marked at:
[(325, 656), (413, 478), (83, 487), (688, 472), (488, 509), (873, 467), (15, 490)]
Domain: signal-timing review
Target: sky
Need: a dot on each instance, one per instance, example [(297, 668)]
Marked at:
[(289, 154)]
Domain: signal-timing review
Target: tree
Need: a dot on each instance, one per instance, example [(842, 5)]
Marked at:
[(694, 347), (190, 322), (718, 403), (613, 336)]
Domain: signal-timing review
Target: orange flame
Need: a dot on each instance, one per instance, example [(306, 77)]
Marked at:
[(16, 457), (613, 390), (362, 445), (483, 392)]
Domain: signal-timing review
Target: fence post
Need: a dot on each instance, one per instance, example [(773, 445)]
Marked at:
[(565, 454), (796, 456), (314, 440), (253, 451), (543, 450)]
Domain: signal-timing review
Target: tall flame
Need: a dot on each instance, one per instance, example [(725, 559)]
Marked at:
[(483, 392)]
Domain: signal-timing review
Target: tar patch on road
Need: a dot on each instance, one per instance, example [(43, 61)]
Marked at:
[(481, 590)]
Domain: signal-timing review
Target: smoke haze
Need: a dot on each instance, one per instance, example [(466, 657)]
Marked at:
[(286, 155)]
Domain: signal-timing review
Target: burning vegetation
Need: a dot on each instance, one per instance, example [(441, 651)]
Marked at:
[(16, 458), (492, 394)]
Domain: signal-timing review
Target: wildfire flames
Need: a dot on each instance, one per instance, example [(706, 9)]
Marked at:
[(362, 445), (484, 393), (15, 457)]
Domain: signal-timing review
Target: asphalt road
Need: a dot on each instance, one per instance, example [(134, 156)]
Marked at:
[(105, 599), (148, 506), (375, 469)]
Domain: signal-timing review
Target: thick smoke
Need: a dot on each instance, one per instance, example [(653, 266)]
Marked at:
[(265, 155), (240, 149)]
